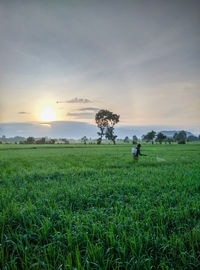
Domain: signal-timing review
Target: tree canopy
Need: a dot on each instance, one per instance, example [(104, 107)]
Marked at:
[(106, 121), (181, 137), (160, 137), (84, 139), (134, 139), (150, 136)]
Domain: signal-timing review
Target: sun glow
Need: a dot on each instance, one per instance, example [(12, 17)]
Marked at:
[(48, 115)]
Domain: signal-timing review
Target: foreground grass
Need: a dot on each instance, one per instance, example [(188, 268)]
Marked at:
[(92, 207)]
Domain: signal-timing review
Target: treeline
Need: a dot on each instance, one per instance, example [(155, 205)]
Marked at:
[(45, 140), (151, 137), (32, 140), (16, 139), (178, 137)]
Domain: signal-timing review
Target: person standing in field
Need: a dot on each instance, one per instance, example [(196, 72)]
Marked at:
[(136, 152)]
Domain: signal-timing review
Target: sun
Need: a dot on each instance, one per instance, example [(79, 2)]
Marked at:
[(48, 115)]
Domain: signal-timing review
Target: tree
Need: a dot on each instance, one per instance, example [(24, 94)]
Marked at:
[(30, 140), (126, 139), (192, 138), (65, 141), (150, 136), (84, 139), (181, 137), (110, 134), (175, 136), (41, 141), (3, 139), (160, 137), (106, 121), (169, 140), (102, 123), (99, 139), (135, 139)]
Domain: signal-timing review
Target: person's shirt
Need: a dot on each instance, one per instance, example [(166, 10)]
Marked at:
[(138, 152)]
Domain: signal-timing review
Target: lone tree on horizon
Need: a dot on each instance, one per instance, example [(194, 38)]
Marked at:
[(106, 121)]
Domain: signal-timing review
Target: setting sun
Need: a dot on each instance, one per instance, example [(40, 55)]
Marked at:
[(48, 115)]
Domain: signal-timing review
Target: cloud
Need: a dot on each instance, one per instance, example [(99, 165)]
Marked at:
[(61, 102), (76, 100), (85, 115), (89, 109), (23, 113)]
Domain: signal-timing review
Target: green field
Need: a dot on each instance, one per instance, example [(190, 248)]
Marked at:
[(93, 207)]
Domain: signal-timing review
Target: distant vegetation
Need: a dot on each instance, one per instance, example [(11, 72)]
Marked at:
[(32, 140), (149, 137), (180, 137)]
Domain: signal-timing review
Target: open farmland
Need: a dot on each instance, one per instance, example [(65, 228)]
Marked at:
[(93, 207)]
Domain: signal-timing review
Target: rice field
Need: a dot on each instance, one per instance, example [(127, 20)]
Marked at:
[(93, 207)]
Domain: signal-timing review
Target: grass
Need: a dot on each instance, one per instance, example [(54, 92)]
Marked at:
[(93, 207)]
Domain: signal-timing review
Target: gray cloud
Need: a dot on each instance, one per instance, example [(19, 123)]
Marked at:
[(76, 100), (84, 113), (23, 113), (93, 109)]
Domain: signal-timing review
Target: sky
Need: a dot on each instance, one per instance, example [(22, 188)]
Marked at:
[(68, 59)]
